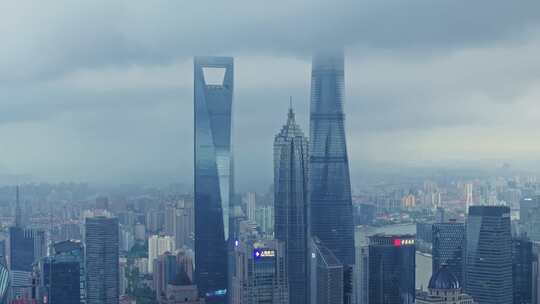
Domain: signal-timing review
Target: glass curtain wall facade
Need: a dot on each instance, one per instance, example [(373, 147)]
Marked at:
[(213, 97), (291, 204), (326, 275), (25, 247), (488, 275), (102, 260), (522, 270), (392, 264), (449, 248), (330, 189)]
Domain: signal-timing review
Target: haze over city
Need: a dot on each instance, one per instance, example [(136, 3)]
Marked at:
[(110, 100)]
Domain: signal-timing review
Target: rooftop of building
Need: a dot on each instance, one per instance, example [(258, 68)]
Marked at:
[(443, 279)]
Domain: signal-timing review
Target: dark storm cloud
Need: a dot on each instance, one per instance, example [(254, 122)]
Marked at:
[(102, 90), (45, 40)]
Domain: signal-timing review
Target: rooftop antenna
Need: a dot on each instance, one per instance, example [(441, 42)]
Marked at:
[(290, 102), (291, 112)]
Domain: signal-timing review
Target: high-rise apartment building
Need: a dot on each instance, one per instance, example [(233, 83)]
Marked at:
[(213, 97), (449, 248), (468, 196), (488, 260), (250, 203), (260, 275), (331, 202), (291, 205), (158, 245), (183, 224), (392, 269), (265, 219), (102, 260)]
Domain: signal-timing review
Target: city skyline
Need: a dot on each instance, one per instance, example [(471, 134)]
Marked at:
[(135, 98), (145, 158)]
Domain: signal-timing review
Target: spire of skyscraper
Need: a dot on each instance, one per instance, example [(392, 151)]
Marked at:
[(290, 115), (291, 204)]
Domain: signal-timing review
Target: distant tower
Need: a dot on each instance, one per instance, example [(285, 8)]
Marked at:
[(468, 196), (489, 255), (18, 211), (102, 260), (213, 93), (291, 204)]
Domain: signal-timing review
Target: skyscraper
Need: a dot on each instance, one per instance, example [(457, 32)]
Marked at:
[(489, 255), (392, 269), (102, 260), (326, 275), (331, 202), (25, 246), (291, 204), (260, 274), (449, 248), (214, 85), (59, 278), (522, 270)]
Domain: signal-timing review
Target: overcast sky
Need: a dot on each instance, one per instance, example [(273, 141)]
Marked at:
[(102, 91)]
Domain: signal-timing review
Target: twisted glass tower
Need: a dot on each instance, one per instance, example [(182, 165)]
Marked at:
[(330, 189), (291, 205), (213, 95)]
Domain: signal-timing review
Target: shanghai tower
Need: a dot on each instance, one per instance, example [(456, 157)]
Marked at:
[(330, 188), (291, 205), (213, 96)]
